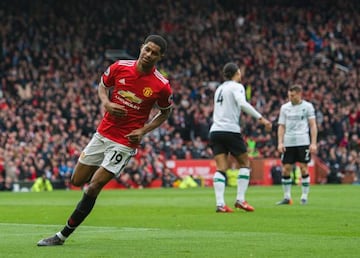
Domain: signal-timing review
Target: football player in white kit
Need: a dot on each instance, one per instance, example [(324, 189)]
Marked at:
[(296, 120), (226, 139)]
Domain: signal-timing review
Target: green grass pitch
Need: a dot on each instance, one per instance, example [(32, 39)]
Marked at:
[(183, 223)]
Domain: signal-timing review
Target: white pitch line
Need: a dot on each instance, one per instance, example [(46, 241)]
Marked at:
[(84, 227)]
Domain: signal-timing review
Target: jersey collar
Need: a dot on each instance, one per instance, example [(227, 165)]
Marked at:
[(139, 74)]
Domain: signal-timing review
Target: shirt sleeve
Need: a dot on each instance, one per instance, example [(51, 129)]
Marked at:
[(246, 106), (281, 120), (108, 76), (166, 98), (311, 111)]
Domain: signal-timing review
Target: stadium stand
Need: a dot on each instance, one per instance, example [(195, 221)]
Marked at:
[(53, 53)]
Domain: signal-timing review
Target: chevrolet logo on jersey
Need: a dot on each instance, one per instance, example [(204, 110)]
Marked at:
[(128, 95)]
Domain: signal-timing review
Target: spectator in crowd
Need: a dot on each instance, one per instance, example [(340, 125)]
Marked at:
[(42, 184), (136, 87), (188, 181), (168, 178), (276, 174), (6, 183), (352, 167), (232, 173), (66, 169)]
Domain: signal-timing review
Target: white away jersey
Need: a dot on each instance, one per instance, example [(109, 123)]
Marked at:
[(229, 101), (295, 118)]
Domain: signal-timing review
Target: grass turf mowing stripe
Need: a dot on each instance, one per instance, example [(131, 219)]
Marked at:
[(183, 223)]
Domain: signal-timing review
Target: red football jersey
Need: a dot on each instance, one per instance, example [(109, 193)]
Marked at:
[(138, 93)]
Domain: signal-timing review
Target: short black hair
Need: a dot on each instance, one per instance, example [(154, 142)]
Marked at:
[(229, 70), (158, 40)]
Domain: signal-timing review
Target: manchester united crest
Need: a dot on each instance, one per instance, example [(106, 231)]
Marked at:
[(147, 91)]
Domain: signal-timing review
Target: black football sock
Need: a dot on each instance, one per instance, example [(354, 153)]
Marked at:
[(82, 210)]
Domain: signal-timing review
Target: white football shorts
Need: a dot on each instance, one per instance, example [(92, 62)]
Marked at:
[(108, 154)]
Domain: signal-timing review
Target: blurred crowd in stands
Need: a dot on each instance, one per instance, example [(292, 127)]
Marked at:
[(53, 54)]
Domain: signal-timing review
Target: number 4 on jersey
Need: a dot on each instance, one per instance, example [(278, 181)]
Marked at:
[(220, 98)]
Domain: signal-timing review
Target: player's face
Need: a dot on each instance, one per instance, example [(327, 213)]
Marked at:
[(294, 97), (149, 55), (239, 75)]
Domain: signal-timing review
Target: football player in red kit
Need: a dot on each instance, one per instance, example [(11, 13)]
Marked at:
[(136, 88)]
